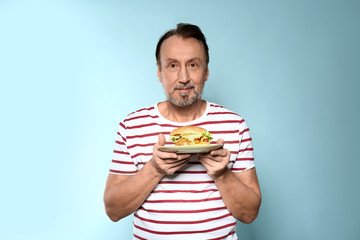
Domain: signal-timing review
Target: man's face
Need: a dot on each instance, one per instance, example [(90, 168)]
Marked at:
[(183, 70)]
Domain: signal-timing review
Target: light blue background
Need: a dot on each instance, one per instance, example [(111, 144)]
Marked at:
[(71, 70)]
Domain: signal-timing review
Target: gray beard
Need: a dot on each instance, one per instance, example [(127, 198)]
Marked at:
[(184, 101)]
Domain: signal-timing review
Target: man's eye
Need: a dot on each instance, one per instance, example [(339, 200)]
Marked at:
[(193, 65), (172, 66)]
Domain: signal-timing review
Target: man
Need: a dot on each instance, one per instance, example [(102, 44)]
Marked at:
[(183, 196)]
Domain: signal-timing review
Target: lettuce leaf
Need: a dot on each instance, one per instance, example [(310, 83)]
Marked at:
[(207, 135)]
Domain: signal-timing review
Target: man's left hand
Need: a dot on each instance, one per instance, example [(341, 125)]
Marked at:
[(216, 161)]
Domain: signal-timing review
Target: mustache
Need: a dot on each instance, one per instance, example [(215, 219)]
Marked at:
[(182, 86)]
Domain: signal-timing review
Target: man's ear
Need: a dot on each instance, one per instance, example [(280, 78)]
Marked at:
[(158, 71), (207, 74)]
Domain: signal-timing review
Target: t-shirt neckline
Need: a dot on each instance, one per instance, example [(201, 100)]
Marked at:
[(163, 119)]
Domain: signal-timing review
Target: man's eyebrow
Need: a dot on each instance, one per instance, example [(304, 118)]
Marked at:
[(191, 59), (171, 60)]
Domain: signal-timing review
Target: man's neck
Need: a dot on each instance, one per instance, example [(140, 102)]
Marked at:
[(182, 114)]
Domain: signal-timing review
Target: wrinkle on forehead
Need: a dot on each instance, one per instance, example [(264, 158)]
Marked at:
[(182, 49)]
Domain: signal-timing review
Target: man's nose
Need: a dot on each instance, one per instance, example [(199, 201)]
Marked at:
[(184, 75)]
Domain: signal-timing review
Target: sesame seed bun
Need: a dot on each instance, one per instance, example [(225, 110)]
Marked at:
[(187, 130)]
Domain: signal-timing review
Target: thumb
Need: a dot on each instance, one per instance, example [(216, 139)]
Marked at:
[(161, 139), (220, 141)]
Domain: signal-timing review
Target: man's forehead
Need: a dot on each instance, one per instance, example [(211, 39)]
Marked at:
[(176, 46)]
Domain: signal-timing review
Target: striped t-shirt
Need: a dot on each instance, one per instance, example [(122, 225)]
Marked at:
[(186, 205)]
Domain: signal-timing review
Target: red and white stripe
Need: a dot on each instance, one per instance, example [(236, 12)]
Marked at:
[(186, 205)]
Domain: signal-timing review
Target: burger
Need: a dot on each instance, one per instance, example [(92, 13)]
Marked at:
[(190, 135)]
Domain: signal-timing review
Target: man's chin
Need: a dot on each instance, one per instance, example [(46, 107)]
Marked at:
[(184, 102)]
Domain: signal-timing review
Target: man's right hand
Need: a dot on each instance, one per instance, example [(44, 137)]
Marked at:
[(167, 163), (124, 194)]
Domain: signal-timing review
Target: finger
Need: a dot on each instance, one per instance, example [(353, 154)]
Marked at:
[(161, 139), (177, 160), (170, 155), (220, 141), (180, 161), (166, 155), (219, 152), (213, 154), (175, 166), (207, 163), (183, 156)]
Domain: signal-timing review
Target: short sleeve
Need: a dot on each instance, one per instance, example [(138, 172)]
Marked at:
[(122, 162), (245, 156)]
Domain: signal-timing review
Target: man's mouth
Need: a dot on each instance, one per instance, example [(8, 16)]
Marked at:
[(184, 90)]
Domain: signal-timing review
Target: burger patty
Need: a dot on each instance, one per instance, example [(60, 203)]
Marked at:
[(184, 141)]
